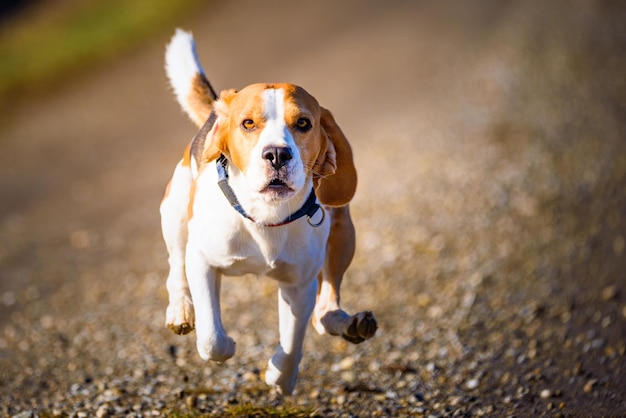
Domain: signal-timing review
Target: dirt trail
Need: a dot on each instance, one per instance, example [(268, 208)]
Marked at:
[(489, 140)]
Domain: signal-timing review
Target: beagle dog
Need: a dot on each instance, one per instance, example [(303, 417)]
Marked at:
[(263, 189)]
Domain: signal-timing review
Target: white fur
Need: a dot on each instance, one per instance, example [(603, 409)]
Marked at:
[(220, 241), (217, 240), (275, 133), (182, 65), (208, 239)]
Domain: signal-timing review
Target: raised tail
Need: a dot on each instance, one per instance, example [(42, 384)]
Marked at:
[(191, 87)]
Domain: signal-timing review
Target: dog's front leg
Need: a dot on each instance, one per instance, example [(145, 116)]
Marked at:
[(179, 316), (295, 305), (204, 282)]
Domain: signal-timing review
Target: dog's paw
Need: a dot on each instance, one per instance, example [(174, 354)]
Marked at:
[(283, 381), (216, 348), (181, 329), (362, 327), (354, 328), (179, 317)]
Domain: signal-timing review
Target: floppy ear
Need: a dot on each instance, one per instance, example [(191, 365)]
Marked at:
[(211, 140), (335, 181)]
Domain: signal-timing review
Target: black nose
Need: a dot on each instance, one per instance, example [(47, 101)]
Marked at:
[(277, 156)]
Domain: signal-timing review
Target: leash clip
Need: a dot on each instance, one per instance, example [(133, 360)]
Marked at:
[(315, 225)]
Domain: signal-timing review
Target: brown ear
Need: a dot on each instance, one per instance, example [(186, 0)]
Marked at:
[(335, 184), (211, 139), (208, 142)]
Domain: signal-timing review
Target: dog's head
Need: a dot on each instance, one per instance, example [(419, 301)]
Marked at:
[(279, 137)]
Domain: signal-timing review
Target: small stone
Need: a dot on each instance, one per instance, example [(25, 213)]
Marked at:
[(401, 384), (380, 397), (374, 366), (391, 394), (472, 384), (120, 410), (609, 293), (589, 385), (348, 376), (346, 363), (597, 343), (25, 414), (191, 401), (103, 411), (250, 376), (545, 394), (506, 378)]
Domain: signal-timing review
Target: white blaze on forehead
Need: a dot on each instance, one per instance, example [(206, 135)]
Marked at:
[(274, 104), (275, 132)]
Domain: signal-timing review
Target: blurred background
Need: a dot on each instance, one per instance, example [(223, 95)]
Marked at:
[(43, 43), (489, 138)]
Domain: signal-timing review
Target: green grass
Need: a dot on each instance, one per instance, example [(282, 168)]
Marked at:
[(248, 410), (65, 37)]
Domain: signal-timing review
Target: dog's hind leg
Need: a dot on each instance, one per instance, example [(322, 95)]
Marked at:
[(179, 316), (328, 317)]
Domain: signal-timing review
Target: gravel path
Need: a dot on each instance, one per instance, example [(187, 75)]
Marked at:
[(491, 219)]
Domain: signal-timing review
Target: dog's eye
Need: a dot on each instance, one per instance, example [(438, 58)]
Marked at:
[(303, 124), (248, 124)]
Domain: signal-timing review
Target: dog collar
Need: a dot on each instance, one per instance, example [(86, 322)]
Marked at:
[(309, 208)]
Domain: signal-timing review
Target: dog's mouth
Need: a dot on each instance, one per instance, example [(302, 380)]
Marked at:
[(277, 183), (277, 188)]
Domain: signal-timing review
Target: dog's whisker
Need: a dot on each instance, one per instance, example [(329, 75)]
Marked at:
[(314, 173)]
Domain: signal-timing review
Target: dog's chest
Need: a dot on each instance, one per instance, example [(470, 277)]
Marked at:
[(237, 246), (259, 259), (260, 251), (286, 253)]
